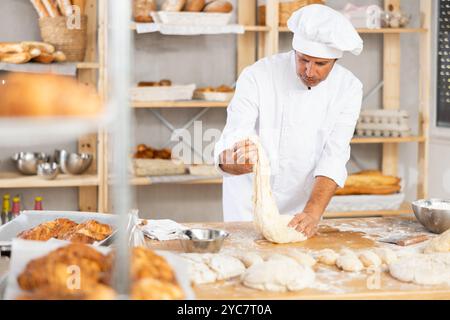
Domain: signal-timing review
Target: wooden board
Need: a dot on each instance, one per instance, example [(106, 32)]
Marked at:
[(336, 284)]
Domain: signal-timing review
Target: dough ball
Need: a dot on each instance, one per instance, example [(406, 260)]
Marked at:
[(248, 258), (423, 269), (226, 266), (279, 275), (370, 259), (327, 256), (386, 255), (348, 261), (439, 244), (302, 258)]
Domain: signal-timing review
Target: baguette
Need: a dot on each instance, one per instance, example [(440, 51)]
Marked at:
[(12, 47), (44, 47), (52, 8), (81, 4), (44, 58), (40, 8), (218, 6), (194, 5), (17, 58), (65, 7)]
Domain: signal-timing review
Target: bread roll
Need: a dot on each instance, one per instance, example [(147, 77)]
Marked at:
[(173, 5), (44, 47), (165, 83), (44, 95), (194, 5), (219, 6), (17, 58), (44, 58), (40, 8), (59, 56)]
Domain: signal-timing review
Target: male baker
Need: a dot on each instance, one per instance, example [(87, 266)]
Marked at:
[(303, 106)]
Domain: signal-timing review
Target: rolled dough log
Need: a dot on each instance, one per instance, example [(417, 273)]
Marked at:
[(327, 256), (370, 259), (267, 219), (348, 261), (386, 255)]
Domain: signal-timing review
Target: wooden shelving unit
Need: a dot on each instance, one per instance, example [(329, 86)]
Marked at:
[(260, 41), (15, 180)]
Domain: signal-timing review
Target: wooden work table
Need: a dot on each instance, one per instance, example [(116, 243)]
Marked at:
[(331, 283)]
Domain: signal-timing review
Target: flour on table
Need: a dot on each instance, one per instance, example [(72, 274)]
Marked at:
[(267, 219), (278, 275), (424, 269), (439, 244)]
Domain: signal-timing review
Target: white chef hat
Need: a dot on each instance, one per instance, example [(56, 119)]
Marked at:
[(322, 32)]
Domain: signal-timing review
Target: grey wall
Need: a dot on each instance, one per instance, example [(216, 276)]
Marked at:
[(211, 60)]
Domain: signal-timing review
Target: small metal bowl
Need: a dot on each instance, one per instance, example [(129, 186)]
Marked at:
[(27, 162), (73, 163), (48, 170), (434, 220), (203, 240)]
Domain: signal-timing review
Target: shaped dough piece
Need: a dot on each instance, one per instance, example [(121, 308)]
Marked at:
[(302, 258), (278, 275), (226, 266), (386, 255), (248, 258), (328, 257), (439, 244), (267, 219), (200, 273), (424, 269), (370, 259), (348, 261)]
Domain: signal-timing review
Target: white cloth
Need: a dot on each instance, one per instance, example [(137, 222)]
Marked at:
[(164, 229), (322, 32), (305, 133), (188, 30)]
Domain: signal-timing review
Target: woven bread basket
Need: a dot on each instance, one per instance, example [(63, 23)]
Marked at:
[(285, 10), (71, 41)]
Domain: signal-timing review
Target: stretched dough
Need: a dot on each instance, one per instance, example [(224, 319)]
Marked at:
[(425, 269), (267, 219), (440, 243), (278, 275)]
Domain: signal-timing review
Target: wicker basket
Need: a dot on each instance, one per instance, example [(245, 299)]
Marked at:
[(285, 10), (70, 41)]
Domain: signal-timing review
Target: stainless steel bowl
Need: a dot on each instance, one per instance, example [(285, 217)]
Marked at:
[(73, 163), (434, 220), (48, 170), (203, 240), (27, 162)]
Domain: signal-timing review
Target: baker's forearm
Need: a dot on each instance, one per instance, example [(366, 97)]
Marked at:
[(323, 190)]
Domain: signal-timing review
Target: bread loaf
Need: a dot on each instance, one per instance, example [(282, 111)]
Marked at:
[(173, 5), (371, 180), (17, 58), (372, 190), (44, 47), (40, 8), (219, 6), (12, 47), (194, 5)]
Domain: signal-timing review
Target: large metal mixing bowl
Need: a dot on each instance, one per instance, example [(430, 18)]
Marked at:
[(27, 162), (432, 217), (203, 240)]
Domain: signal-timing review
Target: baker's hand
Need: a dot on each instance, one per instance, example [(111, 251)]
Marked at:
[(306, 223), (240, 159)]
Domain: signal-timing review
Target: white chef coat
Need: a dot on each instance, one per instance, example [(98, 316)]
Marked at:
[(305, 133)]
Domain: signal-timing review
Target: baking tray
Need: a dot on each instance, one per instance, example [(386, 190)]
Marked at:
[(26, 250), (30, 219)]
